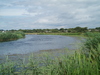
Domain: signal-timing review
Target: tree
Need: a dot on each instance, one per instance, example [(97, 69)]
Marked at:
[(62, 30), (55, 30), (98, 28), (79, 29)]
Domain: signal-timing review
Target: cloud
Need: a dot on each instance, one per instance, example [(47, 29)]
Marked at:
[(50, 13)]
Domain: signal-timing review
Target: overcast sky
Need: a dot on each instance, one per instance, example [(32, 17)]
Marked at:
[(41, 14)]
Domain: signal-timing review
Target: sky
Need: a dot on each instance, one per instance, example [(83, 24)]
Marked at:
[(43, 14)]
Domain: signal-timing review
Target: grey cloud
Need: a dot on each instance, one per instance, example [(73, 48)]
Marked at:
[(57, 13)]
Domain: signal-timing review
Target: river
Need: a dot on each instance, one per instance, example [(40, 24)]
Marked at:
[(36, 43)]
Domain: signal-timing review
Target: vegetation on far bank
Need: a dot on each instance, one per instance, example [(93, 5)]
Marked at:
[(85, 61), (54, 33), (62, 30), (9, 36)]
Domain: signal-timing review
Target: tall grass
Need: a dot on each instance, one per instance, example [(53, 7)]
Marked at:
[(93, 41), (92, 45), (8, 36), (92, 34), (76, 64)]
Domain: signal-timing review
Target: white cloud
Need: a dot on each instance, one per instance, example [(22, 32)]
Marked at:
[(52, 13)]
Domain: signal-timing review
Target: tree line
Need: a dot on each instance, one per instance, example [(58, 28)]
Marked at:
[(61, 30)]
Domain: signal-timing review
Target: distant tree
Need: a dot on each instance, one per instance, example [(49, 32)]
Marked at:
[(79, 29), (70, 30), (1, 30), (12, 30), (55, 30), (98, 28), (91, 30), (85, 29), (62, 30)]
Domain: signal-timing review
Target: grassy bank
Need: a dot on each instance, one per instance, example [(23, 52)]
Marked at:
[(9, 36), (64, 34), (54, 33), (85, 61), (59, 33)]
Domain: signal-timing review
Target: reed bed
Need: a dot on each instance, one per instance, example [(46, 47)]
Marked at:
[(75, 64), (8, 36)]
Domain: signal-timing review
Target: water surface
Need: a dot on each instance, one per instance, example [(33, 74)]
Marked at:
[(35, 43)]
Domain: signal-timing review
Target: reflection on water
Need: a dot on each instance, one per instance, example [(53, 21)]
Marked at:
[(34, 43)]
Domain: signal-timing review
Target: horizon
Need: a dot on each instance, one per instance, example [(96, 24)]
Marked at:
[(46, 28)]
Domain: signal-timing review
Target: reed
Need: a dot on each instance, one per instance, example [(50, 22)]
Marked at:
[(92, 42), (8, 36), (76, 64)]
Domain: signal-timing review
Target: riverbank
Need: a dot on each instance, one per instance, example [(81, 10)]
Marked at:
[(10, 36), (64, 34), (54, 33)]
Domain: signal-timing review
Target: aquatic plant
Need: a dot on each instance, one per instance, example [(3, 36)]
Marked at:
[(8, 36), (92, 42), (76, 64)]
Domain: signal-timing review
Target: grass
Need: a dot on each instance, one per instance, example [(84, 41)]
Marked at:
[(8, 36), (55, 33), (46, 64), (75, 64), (64, 34), (92, 41), (92, 34)]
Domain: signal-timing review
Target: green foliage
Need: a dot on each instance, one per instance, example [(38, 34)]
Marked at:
[(59, 33), (92, 45), (61, 30), (8, 36), (76, 64), (93, 40), (92, 34), (7, 68), (79, 29)]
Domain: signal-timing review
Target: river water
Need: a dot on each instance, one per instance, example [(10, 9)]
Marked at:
[(34, 43), (18, 49)]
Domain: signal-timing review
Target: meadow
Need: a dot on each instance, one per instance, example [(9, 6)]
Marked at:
[(85, 61)]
